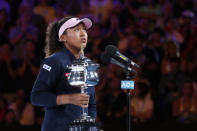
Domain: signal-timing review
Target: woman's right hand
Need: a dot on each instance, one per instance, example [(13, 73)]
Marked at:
[(79, 99)]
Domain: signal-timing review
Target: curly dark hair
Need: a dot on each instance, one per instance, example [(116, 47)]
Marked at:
[(52, 40)]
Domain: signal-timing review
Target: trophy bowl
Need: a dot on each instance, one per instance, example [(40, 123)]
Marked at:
[(83, 73), (76, 76), (92, 76)]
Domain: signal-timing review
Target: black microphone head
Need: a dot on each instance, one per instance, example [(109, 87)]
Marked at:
[(111, 50), (105, 58)]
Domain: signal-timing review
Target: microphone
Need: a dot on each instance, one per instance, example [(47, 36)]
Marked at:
[(105, 58), (113, 52)]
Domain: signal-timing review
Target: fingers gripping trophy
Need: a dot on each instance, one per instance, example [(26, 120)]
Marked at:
[(83, 74)]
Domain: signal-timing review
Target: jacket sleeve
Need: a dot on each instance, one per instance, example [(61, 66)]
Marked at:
[(42, 93), (92, 103)]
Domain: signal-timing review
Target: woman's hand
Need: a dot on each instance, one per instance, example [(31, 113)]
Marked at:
[(79, 99)]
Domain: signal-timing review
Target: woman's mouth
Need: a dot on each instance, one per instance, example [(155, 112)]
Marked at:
[(83, 40)]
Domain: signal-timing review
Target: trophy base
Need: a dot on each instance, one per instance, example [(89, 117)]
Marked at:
[(85, 123), (85, 118)]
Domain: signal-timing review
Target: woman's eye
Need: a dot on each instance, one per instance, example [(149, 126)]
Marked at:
[(76, 29)]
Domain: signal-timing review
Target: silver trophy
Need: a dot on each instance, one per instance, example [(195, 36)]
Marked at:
[(83, 74)]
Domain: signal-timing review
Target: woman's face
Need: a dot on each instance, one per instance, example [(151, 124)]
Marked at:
[(76, 36)]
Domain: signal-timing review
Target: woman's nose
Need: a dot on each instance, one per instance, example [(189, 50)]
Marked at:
[(82, 32)]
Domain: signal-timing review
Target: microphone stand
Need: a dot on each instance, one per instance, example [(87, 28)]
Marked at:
[(126, 68), (128, 77)]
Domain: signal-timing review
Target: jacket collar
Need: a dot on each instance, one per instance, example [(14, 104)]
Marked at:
[(66, 51)]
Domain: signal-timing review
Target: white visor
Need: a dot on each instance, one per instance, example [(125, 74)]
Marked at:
[(73, 22)]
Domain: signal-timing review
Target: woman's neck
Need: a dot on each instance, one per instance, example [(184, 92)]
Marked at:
[(73, 50)]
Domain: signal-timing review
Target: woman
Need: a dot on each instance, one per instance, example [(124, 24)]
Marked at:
[(51, 89)]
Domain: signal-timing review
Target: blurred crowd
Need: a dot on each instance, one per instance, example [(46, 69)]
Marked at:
[(159, 35)]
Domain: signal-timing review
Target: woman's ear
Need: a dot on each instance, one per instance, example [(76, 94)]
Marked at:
[(63, 38)]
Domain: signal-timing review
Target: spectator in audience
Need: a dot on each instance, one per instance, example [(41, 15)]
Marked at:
[(4, 25), (7, 69), (101, 9), (101, 93), (45, 10), (150, 10), (156, 38), (28, 67), (5, 5), (172, 33), (114, 32), (23, 30), (141, 103), (133, 7), (171, 51), (190, 46), (153, 50), (136, 48), (10, 120), (195, 10), (195, 86), (85, 12), (96, 43), (187, 30), (23, 110), (130, 28), (144, 27), (59, 12), (185, 108), (167, 11), (115, 101), (72, 7), (26, 9), (3, 108), (107, 75), (179, 6), (190, 64), (174, 74), (123, 45), (170, 86)]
